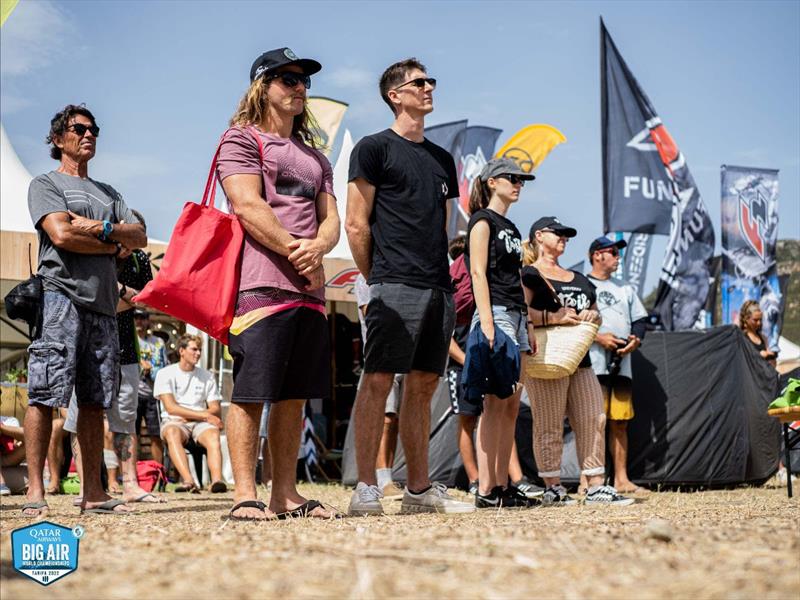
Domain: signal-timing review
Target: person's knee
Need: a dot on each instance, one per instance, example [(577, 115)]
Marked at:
[(173, 436), (378, 384)]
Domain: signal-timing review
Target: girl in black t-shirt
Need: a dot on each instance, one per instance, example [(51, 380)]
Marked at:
[(557, 296), (494, 255)]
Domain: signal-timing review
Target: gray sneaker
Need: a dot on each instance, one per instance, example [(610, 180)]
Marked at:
[(606, 495), (435, 500), (556, 495), (365, 501)]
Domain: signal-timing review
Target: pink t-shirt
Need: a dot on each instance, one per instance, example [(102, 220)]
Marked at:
[(293, 174)]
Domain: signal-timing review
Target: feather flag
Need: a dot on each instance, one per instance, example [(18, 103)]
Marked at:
[(328, 113), (531, 145), (6, 6)]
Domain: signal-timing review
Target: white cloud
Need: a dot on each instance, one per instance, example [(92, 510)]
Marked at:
[(35, 35)]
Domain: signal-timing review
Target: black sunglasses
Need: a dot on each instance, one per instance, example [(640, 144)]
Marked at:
[(291, 79), (419, 82), (80, 129), (613, 251), (512, 179)]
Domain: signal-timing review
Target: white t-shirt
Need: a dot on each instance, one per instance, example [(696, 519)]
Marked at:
[(192, 389), (619, 306), (362, 299)]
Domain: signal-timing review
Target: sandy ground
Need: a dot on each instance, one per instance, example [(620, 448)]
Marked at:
[(742, 543)]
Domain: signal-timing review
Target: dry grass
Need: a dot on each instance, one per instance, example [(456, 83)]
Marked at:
[(743, 543)]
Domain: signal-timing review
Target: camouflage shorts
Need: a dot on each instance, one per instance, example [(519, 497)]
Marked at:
[(77, 349)]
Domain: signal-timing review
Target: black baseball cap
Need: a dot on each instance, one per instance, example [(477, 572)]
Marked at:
[(603, 242), (280, 57), (554, 225), (138, 313), (504, 166)]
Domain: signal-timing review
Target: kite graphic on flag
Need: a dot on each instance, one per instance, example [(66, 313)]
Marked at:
[(531, 145)]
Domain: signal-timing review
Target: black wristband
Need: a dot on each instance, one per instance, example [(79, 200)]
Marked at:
[(122, 291)]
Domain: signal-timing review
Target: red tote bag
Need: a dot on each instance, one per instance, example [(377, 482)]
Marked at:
[(199, 276)]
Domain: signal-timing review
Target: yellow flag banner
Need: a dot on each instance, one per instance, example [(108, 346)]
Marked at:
[(328, 113), (6, 6), (531, 145)]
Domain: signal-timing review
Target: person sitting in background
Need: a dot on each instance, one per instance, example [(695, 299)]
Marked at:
[(190, 409), (152, 357), (750, 320), (12, 451)]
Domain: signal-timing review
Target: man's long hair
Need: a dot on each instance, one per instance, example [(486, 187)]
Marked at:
[(254, 105)]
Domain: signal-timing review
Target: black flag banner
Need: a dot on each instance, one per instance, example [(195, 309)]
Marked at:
[(637, 255), (647, 180)]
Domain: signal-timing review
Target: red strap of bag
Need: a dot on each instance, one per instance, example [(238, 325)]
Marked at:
[(211, 182)]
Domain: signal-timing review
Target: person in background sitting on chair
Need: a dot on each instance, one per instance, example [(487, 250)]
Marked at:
[(190, 409)]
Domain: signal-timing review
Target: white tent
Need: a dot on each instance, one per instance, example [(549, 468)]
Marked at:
[(14, 181), (340, 170)]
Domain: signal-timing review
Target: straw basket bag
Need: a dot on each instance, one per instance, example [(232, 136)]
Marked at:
[(560, 349)]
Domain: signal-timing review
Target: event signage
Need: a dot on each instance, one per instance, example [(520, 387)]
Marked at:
[(749, 215), (476, 149), (45, 551), (638, 200), (637, 254), (637, 189)]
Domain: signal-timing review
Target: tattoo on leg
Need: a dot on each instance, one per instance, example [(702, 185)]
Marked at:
[(122, 445)]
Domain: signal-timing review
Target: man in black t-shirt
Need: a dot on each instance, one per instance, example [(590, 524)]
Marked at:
[(396, 217)]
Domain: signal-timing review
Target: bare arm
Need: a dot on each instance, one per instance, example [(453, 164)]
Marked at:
[(130, 235), (13, 431), (307, 254), (456, 353), (478, 260), (255, 215), (360, 201), (66, 236), (176, 410)]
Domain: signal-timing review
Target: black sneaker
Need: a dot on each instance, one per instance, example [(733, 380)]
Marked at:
[(531, 490), (491, 500), (514, 498), (606, 495), (473, 488), (556, 495)]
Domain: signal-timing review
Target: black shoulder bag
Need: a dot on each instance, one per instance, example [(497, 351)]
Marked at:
[(24, 301)]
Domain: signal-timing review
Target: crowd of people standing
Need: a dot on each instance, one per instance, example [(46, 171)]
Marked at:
[(280, 186)]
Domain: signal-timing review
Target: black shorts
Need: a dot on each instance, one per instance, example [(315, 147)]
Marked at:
[(408, 329), (147, 409), (286, 356)]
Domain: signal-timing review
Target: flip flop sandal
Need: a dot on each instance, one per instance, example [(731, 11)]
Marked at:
[(77, 501), (40, 506), (189, 488), (219, 487), (106, 508), (247, 504), (156, 499), (304, 512)]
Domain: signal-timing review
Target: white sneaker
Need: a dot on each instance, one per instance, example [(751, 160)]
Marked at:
[(435, 500), (366, 500)]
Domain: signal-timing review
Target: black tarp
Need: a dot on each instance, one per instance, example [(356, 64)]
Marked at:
[(700, 399)]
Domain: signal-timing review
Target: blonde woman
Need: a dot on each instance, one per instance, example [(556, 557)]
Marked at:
[(750, 320), (557, 296), (494, 253)]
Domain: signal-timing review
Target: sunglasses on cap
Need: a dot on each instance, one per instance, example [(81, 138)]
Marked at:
[(80, 129), (291, 79), (512, 179), (419, 82)]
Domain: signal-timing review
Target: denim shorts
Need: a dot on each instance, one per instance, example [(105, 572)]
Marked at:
[(78, 349), (513, 322)]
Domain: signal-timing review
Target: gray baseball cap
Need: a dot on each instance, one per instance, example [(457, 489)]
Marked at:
[(504, 166)]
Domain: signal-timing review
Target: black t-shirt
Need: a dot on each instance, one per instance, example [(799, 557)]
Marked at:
[(134, 273), (412, 185), (579, 294), (504, 259)]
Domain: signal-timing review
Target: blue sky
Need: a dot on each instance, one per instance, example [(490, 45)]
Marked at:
[(164, 77)]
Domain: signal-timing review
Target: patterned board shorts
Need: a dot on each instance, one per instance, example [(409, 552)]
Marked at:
[(79, 349)]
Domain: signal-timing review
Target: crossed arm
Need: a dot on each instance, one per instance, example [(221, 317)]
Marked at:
[(74, 233), (260, 221)]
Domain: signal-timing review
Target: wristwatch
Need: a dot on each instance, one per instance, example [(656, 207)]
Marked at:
[(108, 229)]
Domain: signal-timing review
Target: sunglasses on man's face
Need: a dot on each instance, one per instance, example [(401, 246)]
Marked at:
[(291, 79), (419, 82), (512, 179), (80, 129), (611, 251)]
